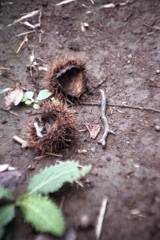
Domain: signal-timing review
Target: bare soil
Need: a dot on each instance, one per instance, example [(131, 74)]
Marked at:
[(122, 50)]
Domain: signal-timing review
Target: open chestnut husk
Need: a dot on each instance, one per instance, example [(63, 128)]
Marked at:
[(53, 131), (67, 78)]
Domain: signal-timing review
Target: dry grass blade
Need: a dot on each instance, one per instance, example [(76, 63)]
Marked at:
[(31, 14), (65, 2), (101, 218)]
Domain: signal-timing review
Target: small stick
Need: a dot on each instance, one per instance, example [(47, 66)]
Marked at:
[(154, 27), (121, 105), (3, 68), (21, 45), (104, 119), (25, 33), (92, 2), (101, 218), (24, 143), (31, 14)]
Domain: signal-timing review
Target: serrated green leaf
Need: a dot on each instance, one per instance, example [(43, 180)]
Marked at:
[(7, 213), (5, 193), (42, 214), (27, 95), (52, 178), (36, 106), (43, 94), (1, 232)]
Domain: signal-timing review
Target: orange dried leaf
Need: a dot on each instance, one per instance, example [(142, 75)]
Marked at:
[(14, 96), (93, 129)]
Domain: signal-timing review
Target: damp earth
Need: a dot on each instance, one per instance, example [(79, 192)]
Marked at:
[(121, 47)]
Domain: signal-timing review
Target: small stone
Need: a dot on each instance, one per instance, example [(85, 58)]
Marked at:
[(93, 149), (60, 46), (4, 121), (85, 221), (129, 56), (130, 72), (108, 159), (28, 111), (157, 128), (157, 71)]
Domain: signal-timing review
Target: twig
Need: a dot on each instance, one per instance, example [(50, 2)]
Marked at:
[(21, 45), (154, 27), (24, 143), (3, 68), (121, 106), (92, 2), (54, 154), (100, 83), (5, 110), (101, 218), (104, 119), (31, 14), (25, 33)]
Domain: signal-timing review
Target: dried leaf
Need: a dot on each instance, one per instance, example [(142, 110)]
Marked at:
[(12, 178), (14, 96), (93, 129)]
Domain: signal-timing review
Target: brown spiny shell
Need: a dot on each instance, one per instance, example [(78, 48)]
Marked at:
[(61, 131), (67, 77)]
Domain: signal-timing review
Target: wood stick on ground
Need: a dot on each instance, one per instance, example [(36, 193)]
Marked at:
[(21, 45), (24, 143), (121, 106), (104, 119), (101, 218)]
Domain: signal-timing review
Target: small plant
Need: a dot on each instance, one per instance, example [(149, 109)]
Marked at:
[(35, 205), (28, 97)]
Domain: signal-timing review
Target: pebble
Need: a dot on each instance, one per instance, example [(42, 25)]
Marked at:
[(60, 46), (85, 221), (157, 128), (28, 111), (108, 159), (129, 56), (93, 149), (130, 72)]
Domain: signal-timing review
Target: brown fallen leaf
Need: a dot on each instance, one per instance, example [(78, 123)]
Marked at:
[(12, 178), (14, 96), (93, 129)]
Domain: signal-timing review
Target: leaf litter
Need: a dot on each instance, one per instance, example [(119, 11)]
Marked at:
[(14, 96)]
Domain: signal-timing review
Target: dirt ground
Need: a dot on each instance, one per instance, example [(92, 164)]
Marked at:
[(122, 49)]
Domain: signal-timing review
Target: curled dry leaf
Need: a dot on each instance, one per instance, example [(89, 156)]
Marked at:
[(14, 96), (93, 129)]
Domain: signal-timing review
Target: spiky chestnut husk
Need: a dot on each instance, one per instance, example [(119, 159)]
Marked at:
[(60, 134), (66, 78)]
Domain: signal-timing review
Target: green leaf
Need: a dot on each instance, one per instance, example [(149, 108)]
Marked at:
[(52, 178), (4, 193), (27, 95), (28, 102), (42, 213), (1, 232), (43, 94), (36, 106), (7, 213)]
